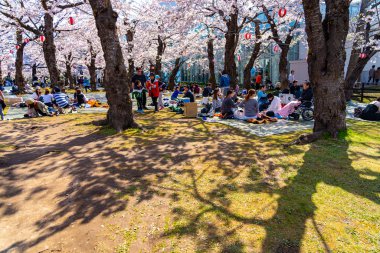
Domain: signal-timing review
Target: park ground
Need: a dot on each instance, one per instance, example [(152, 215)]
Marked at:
[(182, 185)]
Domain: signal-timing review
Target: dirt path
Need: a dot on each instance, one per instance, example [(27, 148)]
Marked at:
[(68, 187)]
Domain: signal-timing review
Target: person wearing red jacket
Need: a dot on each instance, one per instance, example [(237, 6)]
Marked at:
[(153, 87)]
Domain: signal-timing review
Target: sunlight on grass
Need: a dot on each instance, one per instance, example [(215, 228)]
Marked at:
[(222, 190)]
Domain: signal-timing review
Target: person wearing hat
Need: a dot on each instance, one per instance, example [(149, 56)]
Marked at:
[(154, 90), (139, 76), (36, 108)]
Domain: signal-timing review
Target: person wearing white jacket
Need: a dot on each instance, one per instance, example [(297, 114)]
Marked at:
[(275, 103)]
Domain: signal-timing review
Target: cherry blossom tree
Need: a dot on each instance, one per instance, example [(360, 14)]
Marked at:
[(326, 36)]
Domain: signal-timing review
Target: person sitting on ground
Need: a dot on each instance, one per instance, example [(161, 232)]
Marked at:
[(262, 98), (79, 98), (274, 106), (175, 93), (37, 94), (372, 111), (48, 98), (187, 94), (217, 101), (207, 91), (61, 100), (228, 105), (197, 90), (39, 108), (250, 105)]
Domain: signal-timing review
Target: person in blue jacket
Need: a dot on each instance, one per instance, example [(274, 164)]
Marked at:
[(225, 82)]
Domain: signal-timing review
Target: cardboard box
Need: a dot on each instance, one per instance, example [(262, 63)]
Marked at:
[(191, 110), (286, 98)]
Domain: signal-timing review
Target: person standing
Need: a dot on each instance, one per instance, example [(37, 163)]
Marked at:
[(291, 77), (377, 75), (2, 105), (259, 80), (139, 76), (225, 82), (154, 90), (371, 74)]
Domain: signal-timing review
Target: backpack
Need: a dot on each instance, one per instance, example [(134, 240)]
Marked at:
[(358, 112), (207, 109)]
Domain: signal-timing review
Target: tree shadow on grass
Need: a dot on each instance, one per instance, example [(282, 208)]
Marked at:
[(295, 206)]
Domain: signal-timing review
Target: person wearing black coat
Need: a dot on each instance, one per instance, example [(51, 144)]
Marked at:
[(139, 76)]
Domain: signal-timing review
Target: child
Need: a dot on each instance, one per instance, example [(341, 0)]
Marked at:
[(79, 98), (217, 101), (48, 98), (154, 90), (228, 105), (138, 94), (175, 93)]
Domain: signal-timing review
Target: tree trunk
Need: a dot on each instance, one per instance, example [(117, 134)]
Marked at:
[(19, 78), (232, 39), (356, 65), (174, 73), (92, 70), (160, 51), (131, 62), (353, 73), (326, 61), (283, 67), (252, 59), (92, 67), (68, 74), (211, 62), (120, 114), (50, 50)]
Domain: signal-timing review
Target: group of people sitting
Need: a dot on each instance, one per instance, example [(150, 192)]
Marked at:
[(258, 105), (49, 104)]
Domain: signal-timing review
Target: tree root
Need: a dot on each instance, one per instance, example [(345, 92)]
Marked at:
[(305, 139)]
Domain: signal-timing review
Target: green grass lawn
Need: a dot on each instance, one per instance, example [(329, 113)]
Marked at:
[(211, 188), (262, 197)]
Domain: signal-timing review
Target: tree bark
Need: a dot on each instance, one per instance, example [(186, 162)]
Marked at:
[(160, 52), (354, 72), (131, 62), (211, 62), (356, 65), (252, 59), (283, 67), (68, 74), (326, 61), (120, 114), (92, 67), (50, 50), (232, 39), (19, 78), (173, 74)]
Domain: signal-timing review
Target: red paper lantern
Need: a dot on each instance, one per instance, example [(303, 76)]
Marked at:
[(71, 21), (239, 58), (42, 38), (248, 36), (26, 41), (363, 55), (276, 49), (17, 47), (282, 12)]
